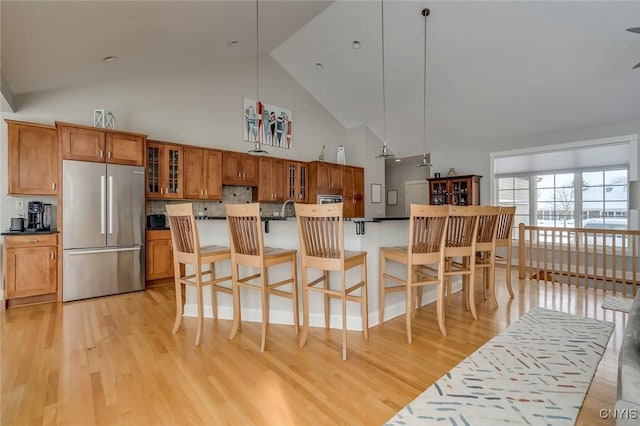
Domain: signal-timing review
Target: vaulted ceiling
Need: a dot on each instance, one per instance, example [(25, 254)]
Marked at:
[(495, 70)]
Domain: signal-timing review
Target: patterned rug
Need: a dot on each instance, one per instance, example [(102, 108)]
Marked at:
[(615, 303), (537, 371)]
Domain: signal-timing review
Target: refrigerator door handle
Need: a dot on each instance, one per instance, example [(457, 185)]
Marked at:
[(102, 205), (110, 204), (113, 250)]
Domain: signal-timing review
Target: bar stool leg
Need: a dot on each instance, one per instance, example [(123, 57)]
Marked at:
[(508, 265), (440, 307), (344, 316), (200, 302), (294, 293), (178, 290), (214, 295), (305, 308), (381, 301), (327, 301), (265, 308), (236, 302), (363, 302)]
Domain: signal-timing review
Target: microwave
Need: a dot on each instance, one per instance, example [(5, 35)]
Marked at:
[(329, 199)]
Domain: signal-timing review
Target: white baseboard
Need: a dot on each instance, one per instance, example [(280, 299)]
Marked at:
[(315, 320)]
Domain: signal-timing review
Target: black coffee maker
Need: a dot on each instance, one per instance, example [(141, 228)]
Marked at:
[(38, 216)]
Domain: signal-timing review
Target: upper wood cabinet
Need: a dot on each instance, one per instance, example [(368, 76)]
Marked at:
[(33, 159), (353, 191), (203, 174), (239, 169), (324, 178), (458, 190), (101, 145), (165, 170), (271, 182), (297, 185), (329, 177)]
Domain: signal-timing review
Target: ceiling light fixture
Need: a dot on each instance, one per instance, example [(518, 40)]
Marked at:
[(424, 162), (356, 44), (257, 149), (386, 152), (109, 58)]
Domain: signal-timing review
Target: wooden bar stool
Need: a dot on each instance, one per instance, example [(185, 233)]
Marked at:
[(488, 217), (247, 249), (460, 250), (423, 258), (503, 239), (187, 251), (321, 232)]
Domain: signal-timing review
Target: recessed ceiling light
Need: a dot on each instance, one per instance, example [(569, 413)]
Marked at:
[(398, 160), (109, 58), (319, 66), (232, 43), (355, 44)]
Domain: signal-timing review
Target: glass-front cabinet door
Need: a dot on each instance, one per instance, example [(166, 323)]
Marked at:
[(154, 162), (439, 192), (297, 182), (165, 170), (174, 168)]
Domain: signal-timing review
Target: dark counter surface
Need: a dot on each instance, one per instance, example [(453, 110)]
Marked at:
[(55, 231), (293, 218)]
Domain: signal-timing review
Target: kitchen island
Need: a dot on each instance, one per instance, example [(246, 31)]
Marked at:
[(367, 234)]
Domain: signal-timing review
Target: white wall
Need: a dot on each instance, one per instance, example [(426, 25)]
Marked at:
[(396, 176), (199, 107), (361, 149), (472, 157)]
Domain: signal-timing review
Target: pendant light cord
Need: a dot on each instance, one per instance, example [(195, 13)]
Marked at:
[(257, 55), (384, 93), (425, 13)]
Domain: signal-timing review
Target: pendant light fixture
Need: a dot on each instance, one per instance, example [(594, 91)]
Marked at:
[(424, 162), (257, 149), (386, 152)]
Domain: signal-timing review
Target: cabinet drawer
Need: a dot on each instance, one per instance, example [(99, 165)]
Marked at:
[(15, 241), (158, 234)]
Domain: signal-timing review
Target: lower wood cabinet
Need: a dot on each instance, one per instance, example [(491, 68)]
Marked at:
[(159, 249), (30, 266)]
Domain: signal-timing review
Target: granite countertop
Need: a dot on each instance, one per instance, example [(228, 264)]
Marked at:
[(293, 218), (346, 219), (29, 232)]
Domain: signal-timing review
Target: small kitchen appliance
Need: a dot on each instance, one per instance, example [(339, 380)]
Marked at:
[(38, 216), (17, 224)]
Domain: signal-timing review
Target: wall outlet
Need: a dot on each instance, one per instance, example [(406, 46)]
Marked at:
[(19, 204)]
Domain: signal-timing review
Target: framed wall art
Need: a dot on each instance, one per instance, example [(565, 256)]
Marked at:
[(268, 124)]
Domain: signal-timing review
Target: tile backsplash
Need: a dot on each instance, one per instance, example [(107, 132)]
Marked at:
[(230, 194)]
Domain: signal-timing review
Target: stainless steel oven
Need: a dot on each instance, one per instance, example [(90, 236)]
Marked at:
[(329, 199)]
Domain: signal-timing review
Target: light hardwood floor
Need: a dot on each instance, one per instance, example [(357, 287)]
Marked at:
[(113, 360)]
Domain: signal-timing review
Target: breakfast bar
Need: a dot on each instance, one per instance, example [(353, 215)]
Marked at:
[(367, 234)]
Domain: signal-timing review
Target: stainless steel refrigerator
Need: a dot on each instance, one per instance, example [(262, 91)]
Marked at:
[(103, 229)]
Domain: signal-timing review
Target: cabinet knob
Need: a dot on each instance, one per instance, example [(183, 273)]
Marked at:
[(101, 154), (33, 241), (52, 255), (161, 190), (53, 186), (109, 154)]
